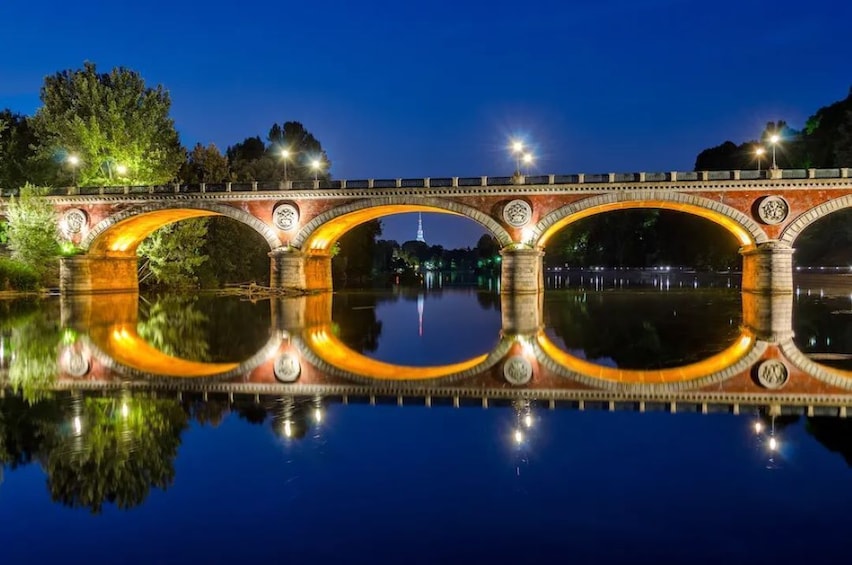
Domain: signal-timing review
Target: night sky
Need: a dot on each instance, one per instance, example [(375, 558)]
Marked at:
[(410, 89)]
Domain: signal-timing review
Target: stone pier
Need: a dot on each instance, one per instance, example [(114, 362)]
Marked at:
[(292, 269), (768, 268), (84, 274), (521, 313), (769, 316), (522, 270)]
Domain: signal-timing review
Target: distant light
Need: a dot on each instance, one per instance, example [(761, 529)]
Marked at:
[(760, 151), (73, 160), (519, 436), (125, 410), (774, 138), (773, 444), (517, 146), (121, 169), (288, 430), (318, 415), (78, 425), (285, 153), (758, 427), (528, 421), (527, 158), (316, 164)]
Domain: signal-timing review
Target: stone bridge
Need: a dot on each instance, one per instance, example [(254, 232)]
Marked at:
[(300, 222), (761, 367)]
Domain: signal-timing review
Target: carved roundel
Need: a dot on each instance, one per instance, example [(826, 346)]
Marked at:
[(287, 368), (73, 221), (517, 213), (772, 374), (517, 371), (773, 210), (75, 363), (285, 217)]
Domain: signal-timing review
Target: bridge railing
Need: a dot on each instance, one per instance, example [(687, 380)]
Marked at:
[(569, 182)]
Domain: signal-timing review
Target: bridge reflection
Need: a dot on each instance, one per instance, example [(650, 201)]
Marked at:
[(303, 356)]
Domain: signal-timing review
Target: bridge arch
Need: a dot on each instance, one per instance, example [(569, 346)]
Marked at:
[(797, 226), (324, 230), (120, 234), (747, 231)]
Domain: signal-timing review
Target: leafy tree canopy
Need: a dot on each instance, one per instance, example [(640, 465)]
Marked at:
[(32, 233), (118, 128)]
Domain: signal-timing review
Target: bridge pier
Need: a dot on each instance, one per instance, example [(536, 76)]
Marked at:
[(303, 272), (768, 268), (769, 316), (84, 274), (521, 313), (522, 270)]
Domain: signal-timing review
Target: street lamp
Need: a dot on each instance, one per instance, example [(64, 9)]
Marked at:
[(759, 152), (285, 156), (316, 165), (121, 170), (527, 159), (518, 150), (774, 139), (73, 161)]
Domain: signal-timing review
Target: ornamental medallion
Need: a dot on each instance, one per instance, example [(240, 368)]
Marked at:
[(517, 213), (285, 217)]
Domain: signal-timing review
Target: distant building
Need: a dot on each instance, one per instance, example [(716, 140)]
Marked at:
[(420, 228)]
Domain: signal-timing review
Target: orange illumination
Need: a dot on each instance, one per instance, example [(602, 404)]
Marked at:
[(709, 366), (125, 346), (330, 349), (743, 236), (326, 235), (123, 238)]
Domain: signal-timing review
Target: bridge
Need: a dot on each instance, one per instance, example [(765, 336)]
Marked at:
[(761, 366), (300, 221)]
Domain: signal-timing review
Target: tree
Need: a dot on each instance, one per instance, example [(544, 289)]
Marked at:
[(111, 121), (172, 254), (253, 160), (204, 164), (32, 232), (17, 147), (357, 248)]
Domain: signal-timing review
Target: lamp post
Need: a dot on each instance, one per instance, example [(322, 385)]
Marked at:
[(73, 161), (121, 170), (285, 156), (518, 150), (527, 159), (316, 165), (774, 139), (759, 152)]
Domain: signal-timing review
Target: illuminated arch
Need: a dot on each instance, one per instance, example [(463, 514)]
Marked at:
[(121, 349), (327, 353), (735, 359), (320, 233), (795, 229), (121, 233), (747, 231), (834, 377)]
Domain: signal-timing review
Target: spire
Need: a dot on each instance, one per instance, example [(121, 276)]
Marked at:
[(420, 228)]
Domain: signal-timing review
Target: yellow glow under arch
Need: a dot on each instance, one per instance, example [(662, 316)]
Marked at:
[(125, 347), (330, 349), (704, 368), (744, 237), (325, 236), (122, 238)]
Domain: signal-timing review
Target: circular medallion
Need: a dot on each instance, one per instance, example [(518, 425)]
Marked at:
[(772, 374), (773, 210), (285, 217), (517, 371), (73, 221), (287, 368), (74, 363), (517, 213)]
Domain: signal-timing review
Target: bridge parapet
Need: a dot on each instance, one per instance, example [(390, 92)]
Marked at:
[(565, 181)]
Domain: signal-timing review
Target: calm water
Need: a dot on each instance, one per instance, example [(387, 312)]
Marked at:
[(146, 477)]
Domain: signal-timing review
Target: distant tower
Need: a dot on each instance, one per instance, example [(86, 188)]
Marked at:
[(420, 228)]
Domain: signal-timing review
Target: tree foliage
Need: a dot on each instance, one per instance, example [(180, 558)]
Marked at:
[(17, 147), (32, 231), (108, 120), (204, 164), (254, 160), (172, 254)]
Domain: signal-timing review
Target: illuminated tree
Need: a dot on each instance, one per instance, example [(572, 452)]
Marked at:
[(119, 128), (32, 231), (171, 255)]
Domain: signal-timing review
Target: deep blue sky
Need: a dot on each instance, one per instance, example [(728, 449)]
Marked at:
[(407, 89)]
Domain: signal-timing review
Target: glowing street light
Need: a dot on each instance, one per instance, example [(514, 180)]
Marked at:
[(73, 161), (121, 170), (528, 160), (316, 165), (518, 151), (774, 139), (285, 156), (759, 152)]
